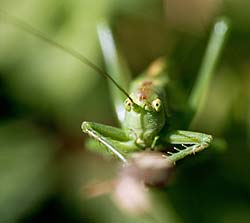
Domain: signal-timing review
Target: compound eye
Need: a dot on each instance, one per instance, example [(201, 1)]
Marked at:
[(128, 104), (156, 104)]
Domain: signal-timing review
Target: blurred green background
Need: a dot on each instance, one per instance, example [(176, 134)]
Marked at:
[(45, 95)]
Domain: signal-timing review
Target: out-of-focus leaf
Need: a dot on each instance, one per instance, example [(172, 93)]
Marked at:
[(41, 76), (27, 171)]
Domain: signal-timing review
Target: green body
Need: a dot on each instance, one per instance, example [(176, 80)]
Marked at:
[(144, 114)]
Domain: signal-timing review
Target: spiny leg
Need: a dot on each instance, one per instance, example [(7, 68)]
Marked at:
[(213, 51), (116, 67), (107, 136), (196, 142)]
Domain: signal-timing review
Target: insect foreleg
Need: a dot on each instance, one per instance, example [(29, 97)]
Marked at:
[(114, 139), (192, 141), (213, 51)]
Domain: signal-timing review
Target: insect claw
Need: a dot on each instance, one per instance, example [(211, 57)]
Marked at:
[(194, 149)]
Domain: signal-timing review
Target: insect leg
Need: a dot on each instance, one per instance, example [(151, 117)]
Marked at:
[(116, 67), (108, 136), (213, 51), (192, 142)]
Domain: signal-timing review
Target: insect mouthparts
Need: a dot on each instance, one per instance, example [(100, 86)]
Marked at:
[(136, 107)]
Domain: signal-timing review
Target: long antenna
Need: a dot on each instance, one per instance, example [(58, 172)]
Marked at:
[(31, 30)]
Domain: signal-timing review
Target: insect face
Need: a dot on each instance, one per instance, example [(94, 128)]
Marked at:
[(145, 122)]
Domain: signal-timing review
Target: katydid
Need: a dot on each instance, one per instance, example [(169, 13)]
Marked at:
[(141, 106), (143, 116)]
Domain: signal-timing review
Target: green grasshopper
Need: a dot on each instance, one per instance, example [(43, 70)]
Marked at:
[(144, 114)]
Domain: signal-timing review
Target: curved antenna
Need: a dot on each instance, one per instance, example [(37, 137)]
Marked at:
[(40, 35)]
